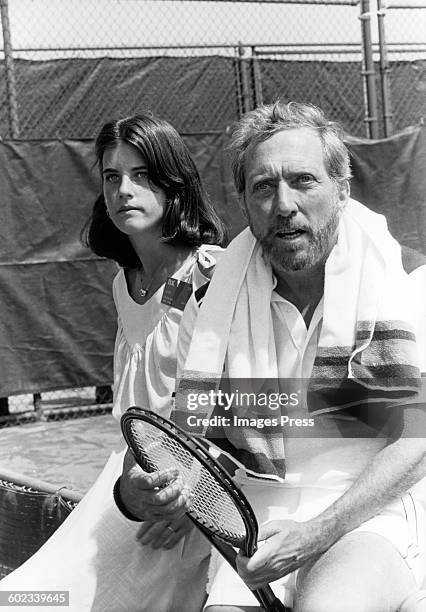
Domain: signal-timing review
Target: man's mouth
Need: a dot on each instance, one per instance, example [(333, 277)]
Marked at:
[(293, 233)]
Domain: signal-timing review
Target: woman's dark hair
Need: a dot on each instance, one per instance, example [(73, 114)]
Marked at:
[(189, 218)]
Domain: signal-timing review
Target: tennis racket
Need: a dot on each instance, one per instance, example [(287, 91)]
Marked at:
[(218, 507)]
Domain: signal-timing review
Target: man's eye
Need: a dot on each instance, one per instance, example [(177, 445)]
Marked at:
[(305, 179)]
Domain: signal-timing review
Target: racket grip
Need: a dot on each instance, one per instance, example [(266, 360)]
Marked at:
[(269, 602)]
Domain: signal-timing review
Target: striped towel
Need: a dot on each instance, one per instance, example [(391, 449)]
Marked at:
[(367, 335)]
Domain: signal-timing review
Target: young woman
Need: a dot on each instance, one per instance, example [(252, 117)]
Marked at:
[(154, 219), (156, 222)]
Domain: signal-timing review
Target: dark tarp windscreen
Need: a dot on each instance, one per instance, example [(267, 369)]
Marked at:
[(57, 316), (390, 178), (72, 97)]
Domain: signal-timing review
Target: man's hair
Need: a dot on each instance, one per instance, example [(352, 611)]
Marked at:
[(260, 124), (189, 217)]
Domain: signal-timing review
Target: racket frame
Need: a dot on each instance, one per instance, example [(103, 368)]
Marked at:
[(264, 595), (194, 447)]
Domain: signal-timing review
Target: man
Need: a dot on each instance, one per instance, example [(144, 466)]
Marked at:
[(314, 290)]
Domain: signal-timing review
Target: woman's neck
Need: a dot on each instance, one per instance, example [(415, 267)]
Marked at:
[(158, 261), (154, 254)]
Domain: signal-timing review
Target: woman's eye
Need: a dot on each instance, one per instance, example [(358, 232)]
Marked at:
[(111, 178), (141, 174), (261, 187)]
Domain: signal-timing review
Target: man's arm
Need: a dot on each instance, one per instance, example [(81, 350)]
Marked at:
[(391, 472)]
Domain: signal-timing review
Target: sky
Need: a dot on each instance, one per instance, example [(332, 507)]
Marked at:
[(116, 23)]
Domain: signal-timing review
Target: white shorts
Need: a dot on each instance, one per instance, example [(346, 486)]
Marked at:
[(401, 523)]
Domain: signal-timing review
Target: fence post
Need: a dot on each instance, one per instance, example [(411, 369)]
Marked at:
[(384, 71), (368, 71), (239, 92), (244, 65), (257, 78), (10, 72), (38, 407)]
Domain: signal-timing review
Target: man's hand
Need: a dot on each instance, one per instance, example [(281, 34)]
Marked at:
[(156, 496), (164, 534), (287, 545)]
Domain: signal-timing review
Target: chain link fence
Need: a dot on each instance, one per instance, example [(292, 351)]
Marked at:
[(404, 62), (68, 66), (57, 405), (76, 63)]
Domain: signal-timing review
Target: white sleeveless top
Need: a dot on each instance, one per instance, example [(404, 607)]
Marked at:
[(145, 345)]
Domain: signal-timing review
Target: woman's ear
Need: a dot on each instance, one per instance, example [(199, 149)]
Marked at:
[(242, 204)]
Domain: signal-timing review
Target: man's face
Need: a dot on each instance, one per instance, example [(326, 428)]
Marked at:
[(292, 205)]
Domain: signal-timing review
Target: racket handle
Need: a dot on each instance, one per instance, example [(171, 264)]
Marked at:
[(269, 602), (264, 596)]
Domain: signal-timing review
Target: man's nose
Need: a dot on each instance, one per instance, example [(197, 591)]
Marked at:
[(125, 189), (286, 203)]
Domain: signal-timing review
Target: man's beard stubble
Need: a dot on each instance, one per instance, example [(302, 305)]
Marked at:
[(321, 242)]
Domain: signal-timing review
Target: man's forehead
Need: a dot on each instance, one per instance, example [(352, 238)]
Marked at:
[(295, 146)]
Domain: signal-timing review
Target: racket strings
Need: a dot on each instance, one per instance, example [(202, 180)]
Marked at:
[(211, 504)]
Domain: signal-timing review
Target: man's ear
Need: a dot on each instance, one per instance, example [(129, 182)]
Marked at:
[(344, 191)]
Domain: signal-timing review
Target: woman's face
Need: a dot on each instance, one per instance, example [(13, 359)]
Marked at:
[(134, 205)]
